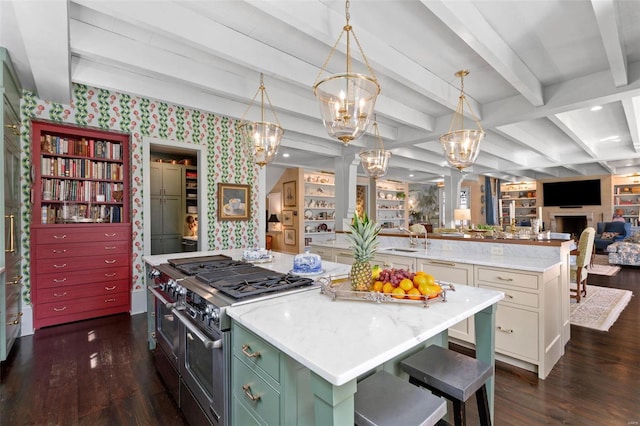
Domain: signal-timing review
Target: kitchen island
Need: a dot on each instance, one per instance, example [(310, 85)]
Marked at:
[(336, 342)]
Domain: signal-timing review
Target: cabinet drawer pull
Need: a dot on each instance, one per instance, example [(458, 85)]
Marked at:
[(246, 349), (12, 241), (110, 248), (345, 254), (56, 280), (16, 281), (110, 262), (64, 265), (504, 279), (110, 235), (60, 237), (109, 300), (249, 394), (508, 296), (64, 308), (110, 288), (17, 320), (386, 265), (113, 274), (505, 330), (60, 294), (440, 262), (59, 251)]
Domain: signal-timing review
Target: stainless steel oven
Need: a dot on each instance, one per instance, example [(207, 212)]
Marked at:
[(204, 358)]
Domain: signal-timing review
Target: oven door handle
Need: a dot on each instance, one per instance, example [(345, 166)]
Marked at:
[(160, 297), (209, 344)]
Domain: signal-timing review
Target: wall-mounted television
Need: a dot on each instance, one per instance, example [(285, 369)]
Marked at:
[(574, 193)]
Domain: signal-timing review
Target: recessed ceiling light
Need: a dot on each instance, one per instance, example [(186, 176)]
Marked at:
[(285, 155), (596, 108), (610, 138), (411, 175), (628, 165)]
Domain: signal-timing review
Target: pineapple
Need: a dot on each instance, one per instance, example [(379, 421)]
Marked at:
[(364, 242)]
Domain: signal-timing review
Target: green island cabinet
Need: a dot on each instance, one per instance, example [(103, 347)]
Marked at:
[(267, 386)]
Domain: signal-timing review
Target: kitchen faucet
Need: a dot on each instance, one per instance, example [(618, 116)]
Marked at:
[(412, 242), (426, 242)]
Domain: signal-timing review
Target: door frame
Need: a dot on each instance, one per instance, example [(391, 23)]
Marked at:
[(200, 152)]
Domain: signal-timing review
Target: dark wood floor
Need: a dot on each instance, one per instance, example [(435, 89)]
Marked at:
[(99, 372)]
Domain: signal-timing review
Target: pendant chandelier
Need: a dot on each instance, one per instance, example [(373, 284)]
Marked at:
[(461, 146), (375, 161), (262, 137), (347, 100)]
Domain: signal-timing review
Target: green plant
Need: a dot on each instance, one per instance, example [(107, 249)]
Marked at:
[(400, 195), (427, 208)]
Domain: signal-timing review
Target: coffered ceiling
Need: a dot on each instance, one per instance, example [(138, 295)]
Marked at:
[(537, 69)]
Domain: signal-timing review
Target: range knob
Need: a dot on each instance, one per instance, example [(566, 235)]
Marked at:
[(172, 283), (213, 313), (181, 290), (154, 273)]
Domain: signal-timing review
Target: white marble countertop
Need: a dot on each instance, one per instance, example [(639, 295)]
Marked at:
[(342, 339), (524, 263)]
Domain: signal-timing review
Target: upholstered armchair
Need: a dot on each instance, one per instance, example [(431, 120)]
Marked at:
[(610, 232)]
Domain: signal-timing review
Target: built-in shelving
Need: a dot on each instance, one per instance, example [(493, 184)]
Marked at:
[(391, 204), (626, 197), (523, 197), (319, 209)]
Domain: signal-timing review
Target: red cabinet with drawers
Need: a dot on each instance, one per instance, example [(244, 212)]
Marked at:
[(81, 232)]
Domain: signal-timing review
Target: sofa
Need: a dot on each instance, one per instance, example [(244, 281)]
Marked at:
[(625, 252), (610, 232)]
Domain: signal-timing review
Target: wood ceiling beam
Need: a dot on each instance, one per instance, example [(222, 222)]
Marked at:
[(44, 27), (466, 21), (631, 108), (611, 34)]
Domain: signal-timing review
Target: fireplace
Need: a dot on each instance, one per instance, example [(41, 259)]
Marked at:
[(570, 223)]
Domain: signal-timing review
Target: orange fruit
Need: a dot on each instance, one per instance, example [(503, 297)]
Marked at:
[(387, 288), (421, 273), (414, 294), (406, 284), (420, 279), (377, 286), (398, 293), (434, 290)]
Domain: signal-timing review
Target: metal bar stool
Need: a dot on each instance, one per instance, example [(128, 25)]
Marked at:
[(452, 375), (384, 399)]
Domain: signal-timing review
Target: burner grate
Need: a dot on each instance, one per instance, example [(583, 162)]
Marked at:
[(246, 286)]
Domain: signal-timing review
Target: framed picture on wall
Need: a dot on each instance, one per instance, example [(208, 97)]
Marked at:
[(233, 201), (287, 218), (290, 237), (289, 190)]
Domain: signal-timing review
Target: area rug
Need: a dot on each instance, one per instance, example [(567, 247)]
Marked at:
[(600, 309), (601, 266)]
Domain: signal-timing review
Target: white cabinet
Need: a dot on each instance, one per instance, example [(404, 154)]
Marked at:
[(391, 204), (524, 199), (453, 272), (528, 320), (319, 210), (386, 261)]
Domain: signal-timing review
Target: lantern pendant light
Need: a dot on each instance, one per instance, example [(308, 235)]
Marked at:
[(461, 146), (347, 99), (375, 160), (262, 137)]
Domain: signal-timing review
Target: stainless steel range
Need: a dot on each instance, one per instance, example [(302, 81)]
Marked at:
[(192, 328)]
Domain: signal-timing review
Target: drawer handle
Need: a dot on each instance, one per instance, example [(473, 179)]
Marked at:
[(246, 349), (60, 237), (60, 294), (110, 275), (56, 280), (110, 262), (110, 288), (440, 262), (64, 265), (64, 308), (12, 241), (16, 281), (508, 296), (345, 254), (109, 300), (110, 235), (249, 394), (504, 278), (17, 320), (59, 251), (110, 248), (386, 265), (505, 330)]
